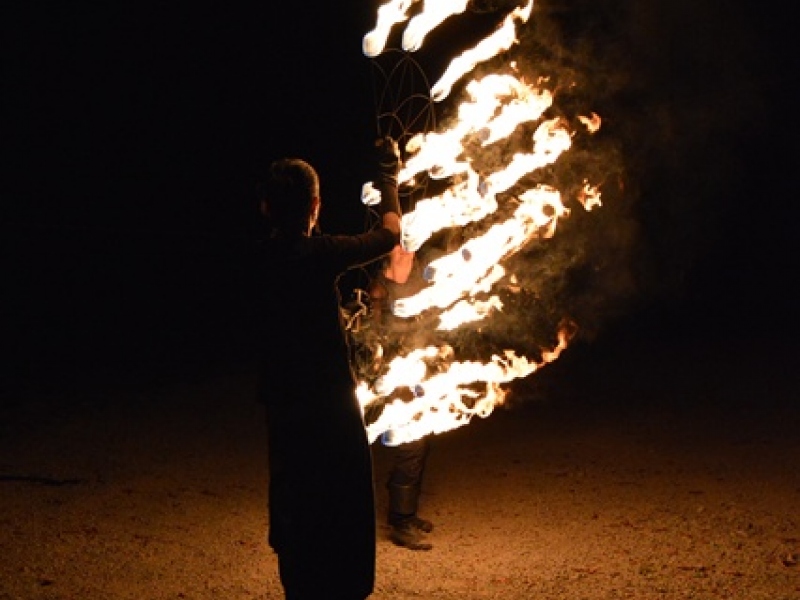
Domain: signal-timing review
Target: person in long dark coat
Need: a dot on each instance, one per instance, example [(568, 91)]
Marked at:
[(321, 494)]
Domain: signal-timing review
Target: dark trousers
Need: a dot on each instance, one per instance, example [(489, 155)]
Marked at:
[(405, 478)]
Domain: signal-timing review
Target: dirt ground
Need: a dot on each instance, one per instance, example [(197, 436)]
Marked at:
[(643, 471)]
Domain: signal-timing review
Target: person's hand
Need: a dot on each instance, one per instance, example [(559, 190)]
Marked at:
[(401, 262)]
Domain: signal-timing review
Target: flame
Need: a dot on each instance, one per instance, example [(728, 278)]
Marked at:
[(389, 15), (517, 103), (446, 399), (592, 122), (427, 390), (499, 41), (467, 311), (474, 267), (589, 196), (432, 15)]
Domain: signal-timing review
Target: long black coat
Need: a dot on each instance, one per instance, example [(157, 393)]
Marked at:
[(321, 498)]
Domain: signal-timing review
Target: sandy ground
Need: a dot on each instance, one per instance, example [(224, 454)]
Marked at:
[(670, 473)]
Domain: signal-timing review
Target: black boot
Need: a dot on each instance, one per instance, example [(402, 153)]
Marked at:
[(403, 532), (406, 528), (423, 525)]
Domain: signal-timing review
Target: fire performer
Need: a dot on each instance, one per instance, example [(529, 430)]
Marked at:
[(321, 496), (400, 277)]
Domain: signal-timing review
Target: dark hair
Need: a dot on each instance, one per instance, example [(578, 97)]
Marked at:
[(290, 187)]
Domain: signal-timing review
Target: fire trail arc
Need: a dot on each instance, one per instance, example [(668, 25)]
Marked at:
[(472, 182)]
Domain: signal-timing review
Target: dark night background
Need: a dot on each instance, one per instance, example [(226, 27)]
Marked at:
[(135, 136)]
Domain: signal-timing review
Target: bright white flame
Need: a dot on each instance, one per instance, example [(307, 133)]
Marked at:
[(427, 390), (517, 102), (500, 41), (475, 267), (432, 15), (476, 199), (448, 399), (467, 311), (389, 15)]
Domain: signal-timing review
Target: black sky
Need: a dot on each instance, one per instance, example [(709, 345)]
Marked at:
[(135, 136)]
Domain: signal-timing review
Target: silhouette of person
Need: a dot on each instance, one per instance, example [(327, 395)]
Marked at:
[(321, 491)]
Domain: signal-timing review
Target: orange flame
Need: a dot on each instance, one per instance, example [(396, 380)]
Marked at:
[(447, 399), (427, 390)]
